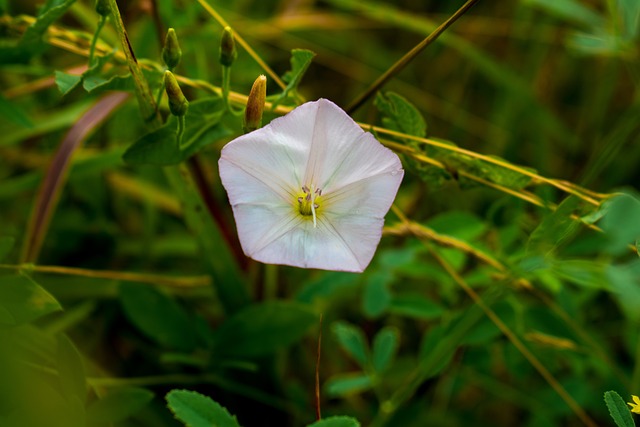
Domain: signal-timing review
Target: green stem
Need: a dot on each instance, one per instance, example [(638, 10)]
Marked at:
[(160, 93), (94, 41), (270, 282), (226, 83)]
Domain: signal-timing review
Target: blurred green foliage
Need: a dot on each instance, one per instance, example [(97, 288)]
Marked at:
[(515, 233)]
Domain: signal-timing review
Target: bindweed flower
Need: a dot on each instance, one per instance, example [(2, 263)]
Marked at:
[(635, 406), (310, 189)]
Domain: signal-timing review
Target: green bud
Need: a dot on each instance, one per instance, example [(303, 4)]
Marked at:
[(255, 105), (103, 7), (228, 52), (178, 104), (171, 52)]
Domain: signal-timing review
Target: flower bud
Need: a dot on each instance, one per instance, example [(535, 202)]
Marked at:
[(255, 105), (178, 104), (103, 8), (171, 52), (228, 52)]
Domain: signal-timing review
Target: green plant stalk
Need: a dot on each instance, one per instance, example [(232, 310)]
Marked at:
[(226, 84), (96, 36), (229, 282), (180, 130)]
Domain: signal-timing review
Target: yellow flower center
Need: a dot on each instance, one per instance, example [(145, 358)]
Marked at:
[(309, 202)]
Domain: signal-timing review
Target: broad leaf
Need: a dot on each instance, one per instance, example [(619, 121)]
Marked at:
[(22, 300), (620, 223), (158, 316), (300, 61), (416, 306), (67, 82), (71, 370), (376, 297), (400, 115), (196, 410), (346, 384), (12, 112)]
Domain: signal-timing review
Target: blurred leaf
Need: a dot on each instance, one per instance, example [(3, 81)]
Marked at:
[(621, 223), (327, 285), (625, 285), (459, 224), (196, 410), (346, 384), (160, 147), (71, 369), (12, 112), (157, 316), (416, 306), (555, 229), (491, 172), (6, 245), (353, 341), (400, 115), (263, 328), (618, 409), (569, 10), (118, 405), (32, 41), (336, 421), (95, 82), (586, 273), (597, 43), (629, 13), (385, 347), (376, 297), (22, 300), (67, 82)]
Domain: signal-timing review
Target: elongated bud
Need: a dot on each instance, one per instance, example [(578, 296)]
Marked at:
[(171, 52), (103, 8), (255, 105), (228, 52), (178, 103)]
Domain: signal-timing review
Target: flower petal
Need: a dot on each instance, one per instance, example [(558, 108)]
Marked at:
[(308, 247)]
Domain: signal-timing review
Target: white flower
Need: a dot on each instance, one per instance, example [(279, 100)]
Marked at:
[(310, 189)]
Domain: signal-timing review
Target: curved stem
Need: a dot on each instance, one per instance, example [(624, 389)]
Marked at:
[(94, 40)]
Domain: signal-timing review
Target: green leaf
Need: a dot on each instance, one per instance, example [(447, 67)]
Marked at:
[(353, 341), (336, 421), (6, 245), (327, 285), (385, 347), (118, 405), (599, 43), (376, 297), (14, 113), (160, 147), (618, 409), (32, 39), (624, 281), (22, 300), (570, 10), (555, 229), (400, 115), (71, 369), (300, 61), (620, 223), (196, 410), (346, 384), (263, 328), (96, 82), (416, 306), (587, 273), (629, 13), (459, 224), (158, 316), (67, 82)]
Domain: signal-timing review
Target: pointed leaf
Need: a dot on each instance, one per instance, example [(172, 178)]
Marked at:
[(22, 300), (347, 384), (300, 61), (400, 115), (196, 410), (14, 113), (66, 82), (376, 297), (618, 409), (385, 347), (71, 370), (353, 341)]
